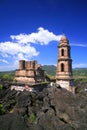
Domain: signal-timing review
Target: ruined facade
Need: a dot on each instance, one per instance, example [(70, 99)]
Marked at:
[(64, 64), (29, 72)]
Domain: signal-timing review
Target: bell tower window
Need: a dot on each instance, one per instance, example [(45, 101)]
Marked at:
[(62, 67), (62, 52)]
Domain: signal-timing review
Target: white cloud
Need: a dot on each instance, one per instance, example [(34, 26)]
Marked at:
[(42, 37), (8, 49), (79, 45), (80, 65), (4, 61), (19, 47), (8, 67), (22, 47)]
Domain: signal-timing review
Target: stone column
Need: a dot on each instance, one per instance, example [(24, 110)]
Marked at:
[(22, 64)]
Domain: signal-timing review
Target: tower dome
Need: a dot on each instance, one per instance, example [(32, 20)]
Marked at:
[(64, 39)]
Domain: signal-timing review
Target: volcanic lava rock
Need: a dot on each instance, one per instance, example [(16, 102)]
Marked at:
[(53, 108)]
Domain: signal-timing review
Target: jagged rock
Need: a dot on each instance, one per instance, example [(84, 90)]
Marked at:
[(12, 122), (53, 108)]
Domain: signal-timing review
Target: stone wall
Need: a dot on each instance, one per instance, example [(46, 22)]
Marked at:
[(29, 72)]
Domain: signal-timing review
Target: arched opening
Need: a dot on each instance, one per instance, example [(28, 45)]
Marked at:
[(62, 67), (68, 52), (62, 52)]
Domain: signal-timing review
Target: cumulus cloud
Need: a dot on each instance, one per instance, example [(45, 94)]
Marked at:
[(22, 46), (42, 37), (8, 49)]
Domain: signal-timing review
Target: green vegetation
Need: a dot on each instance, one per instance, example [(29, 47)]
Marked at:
[(9, 75), (80, 74), (50, 69), (1, 86), (82, 79), (32, 117), (2, 111)]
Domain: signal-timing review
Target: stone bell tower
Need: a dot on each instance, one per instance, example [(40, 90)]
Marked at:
[(64, 64)]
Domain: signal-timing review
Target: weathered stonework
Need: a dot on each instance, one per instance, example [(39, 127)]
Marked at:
[(29, 72), (64, 65)]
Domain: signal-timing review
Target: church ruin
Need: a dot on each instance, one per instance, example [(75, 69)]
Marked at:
[(64, 65), (29, 72)]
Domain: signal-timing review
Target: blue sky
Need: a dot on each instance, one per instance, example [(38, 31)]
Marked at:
[(31, 30)]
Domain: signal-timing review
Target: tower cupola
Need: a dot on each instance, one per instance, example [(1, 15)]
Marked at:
[(64, 40)]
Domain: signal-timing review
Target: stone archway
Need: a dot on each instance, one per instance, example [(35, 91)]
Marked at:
[(62, 52), (62, 67)]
